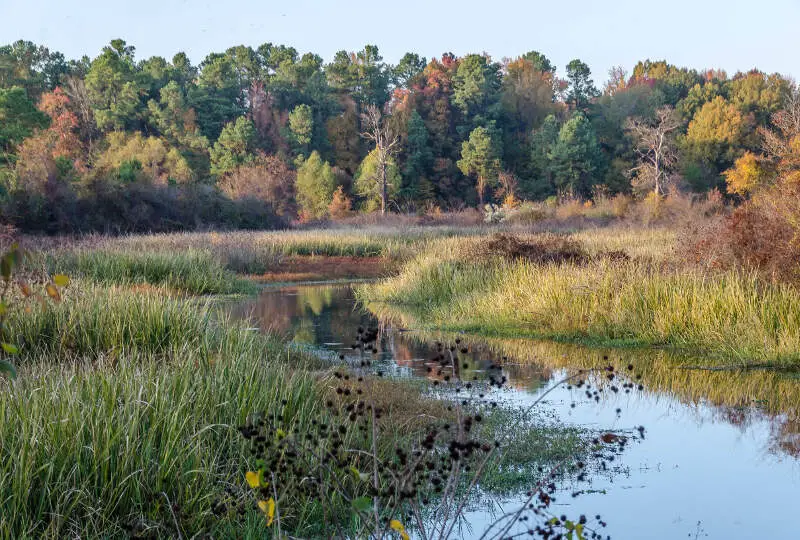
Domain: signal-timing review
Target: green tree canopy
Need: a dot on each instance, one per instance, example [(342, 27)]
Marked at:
[(480, 158), (367, 185), (577, 159), (301, 127), (315, 186), (581, 86), (235, 146), (18, 119)]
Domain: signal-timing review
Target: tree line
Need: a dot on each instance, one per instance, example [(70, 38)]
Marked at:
[(261, 136)]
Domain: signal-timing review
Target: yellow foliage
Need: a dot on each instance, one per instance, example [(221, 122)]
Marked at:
[(397, 526), (253, 479), (159, 162), (340, 206), (716, 122), (746, 175), (510, 202), (268, 507)]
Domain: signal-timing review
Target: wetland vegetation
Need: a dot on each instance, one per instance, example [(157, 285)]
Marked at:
[(545, 309)]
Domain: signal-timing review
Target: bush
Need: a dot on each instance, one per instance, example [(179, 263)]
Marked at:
[(761, 234), (137, 207), (268, 179)]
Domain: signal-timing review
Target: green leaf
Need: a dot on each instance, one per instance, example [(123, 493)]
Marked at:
[(362, 504), (7, 368), (9, 348)]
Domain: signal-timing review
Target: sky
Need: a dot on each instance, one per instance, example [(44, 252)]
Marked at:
[(730, 34)]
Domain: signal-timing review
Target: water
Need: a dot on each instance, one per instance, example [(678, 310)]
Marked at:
[(721, 456)]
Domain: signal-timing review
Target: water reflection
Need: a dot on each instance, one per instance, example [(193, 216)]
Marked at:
[(721, 459)]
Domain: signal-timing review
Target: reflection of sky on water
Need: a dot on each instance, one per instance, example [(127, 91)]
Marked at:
[(702, 470)]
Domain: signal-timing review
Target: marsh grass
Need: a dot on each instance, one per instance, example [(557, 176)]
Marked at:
[(730, 315), (259, 252), (93, 320), (124, 418), (98, 450), (192, 271)]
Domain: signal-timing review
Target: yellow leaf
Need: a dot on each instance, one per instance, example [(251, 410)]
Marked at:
[(397, 526), (268, 507), (61, 280), (252, 479), (26, 289), (52, 292)]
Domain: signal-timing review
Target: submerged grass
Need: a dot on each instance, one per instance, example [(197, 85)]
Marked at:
[(730, 315)]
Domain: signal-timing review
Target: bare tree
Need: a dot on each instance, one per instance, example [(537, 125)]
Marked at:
[(81, 105), (656, 149), (617, 80), (387, 142), (778, 141)]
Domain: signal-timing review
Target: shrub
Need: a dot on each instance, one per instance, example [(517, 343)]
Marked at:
[(540, 249), (267, 179), (136, 207), (341, 206), (761, 234)]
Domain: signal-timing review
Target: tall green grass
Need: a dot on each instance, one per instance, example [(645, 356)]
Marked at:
[(259, 252), (94, 320), (90, 451), (192, 271), (126, 399), (731, 315)]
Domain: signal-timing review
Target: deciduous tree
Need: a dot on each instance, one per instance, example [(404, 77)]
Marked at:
[(315, 186), (655, 146), (387, 144)]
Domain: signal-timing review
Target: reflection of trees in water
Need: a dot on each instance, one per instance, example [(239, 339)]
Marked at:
[(737, 397), (313, 314), (786, 437), (306, 314)]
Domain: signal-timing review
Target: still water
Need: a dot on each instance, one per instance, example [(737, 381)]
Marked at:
[(721, 456)]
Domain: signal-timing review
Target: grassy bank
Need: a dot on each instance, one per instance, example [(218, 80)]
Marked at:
[(193, 271), (261, 252), (729, 315), (126, 400), (123, 420)]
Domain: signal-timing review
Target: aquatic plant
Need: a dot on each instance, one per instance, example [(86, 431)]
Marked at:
[(422, 484)]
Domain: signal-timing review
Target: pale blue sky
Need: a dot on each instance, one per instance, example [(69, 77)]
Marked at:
[(729, 34)]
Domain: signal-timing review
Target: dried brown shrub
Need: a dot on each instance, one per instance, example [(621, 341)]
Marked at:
[(763, 234), (268, 179), (540, 249), (341, 206)]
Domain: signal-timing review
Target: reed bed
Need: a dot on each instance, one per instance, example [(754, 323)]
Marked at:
[(731, 315), (259, 252), (193, 271)]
